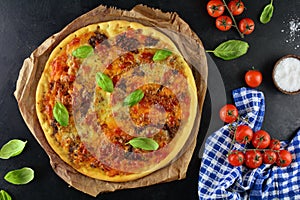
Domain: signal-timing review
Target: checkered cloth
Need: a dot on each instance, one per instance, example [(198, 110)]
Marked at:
[(219, 180)]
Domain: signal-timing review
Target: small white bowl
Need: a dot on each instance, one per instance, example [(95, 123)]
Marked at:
[(274, 71)]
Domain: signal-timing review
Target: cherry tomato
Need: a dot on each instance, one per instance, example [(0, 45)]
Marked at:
[(215, 8), (236, 158), (243, 134), (284, 158), (274, 144), (236, 7), (246, 26), (253, 78), (269, 157), (261, 139), (223, 23), (253, 159), (229, 113)]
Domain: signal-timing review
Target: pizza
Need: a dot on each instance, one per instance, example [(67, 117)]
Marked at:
[(116, 100)]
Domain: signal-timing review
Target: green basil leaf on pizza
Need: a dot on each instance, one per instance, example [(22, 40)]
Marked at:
[(83, 51), (104, 82), (133, 98), (144, 143), (61, 114), (161, 54)]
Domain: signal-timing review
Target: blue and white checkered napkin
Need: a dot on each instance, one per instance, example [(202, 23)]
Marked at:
[(219, 180)]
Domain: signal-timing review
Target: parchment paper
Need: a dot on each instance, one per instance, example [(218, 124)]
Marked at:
[(33, 66)]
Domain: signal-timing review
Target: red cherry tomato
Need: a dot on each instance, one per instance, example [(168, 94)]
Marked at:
[(236, 158), (243, 134), (229, 113), (253, 78), (274, 144), (236, 7), (284, 158), (246, 26), (223, 23), (261, 139), (269, 157), (253, 159), (215, 8)]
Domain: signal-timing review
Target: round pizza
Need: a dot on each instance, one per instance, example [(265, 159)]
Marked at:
[(117, 101)]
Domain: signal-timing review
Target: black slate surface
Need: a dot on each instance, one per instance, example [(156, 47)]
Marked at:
[(24, 25)]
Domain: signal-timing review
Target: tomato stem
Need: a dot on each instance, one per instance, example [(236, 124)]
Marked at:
[(234, 133), (235, 24), (232, 142), (262, 150)]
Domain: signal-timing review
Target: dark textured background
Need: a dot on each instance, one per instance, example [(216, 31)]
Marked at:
[(26, 24)]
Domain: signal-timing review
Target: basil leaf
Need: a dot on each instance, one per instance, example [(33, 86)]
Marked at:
[(230, 49), (161, 55), (104, 82), (267, 13), (4, 195), (20, 176), (83, 51), (61, 114), (12, 148), (144, 143), (133, 98)]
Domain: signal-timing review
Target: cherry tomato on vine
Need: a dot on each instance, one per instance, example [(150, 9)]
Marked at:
[(243, 134), (215, 8), (223, 23), (236, 158), (261, 139), (274, 144), (284, 158), (246, 26), (269, 157), (236, 7), (229, 113), (253, 159), (253, 78)]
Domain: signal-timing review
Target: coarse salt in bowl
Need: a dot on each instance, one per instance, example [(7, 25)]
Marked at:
[(286, 74)]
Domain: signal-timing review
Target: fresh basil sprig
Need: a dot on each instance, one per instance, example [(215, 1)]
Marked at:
[(20, 176), (161, 54), (4, 195), (144, 143), (83, 51), (12, 148), (267, 13), (104, 82), (61, 114), (230, 49), (133, 98)]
